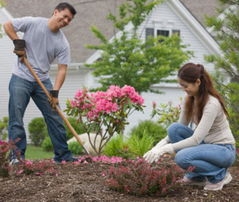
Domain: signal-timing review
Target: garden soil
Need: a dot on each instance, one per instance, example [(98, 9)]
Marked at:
[(85, 182)]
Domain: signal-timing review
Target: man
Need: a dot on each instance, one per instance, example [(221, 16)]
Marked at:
[(42, 43)]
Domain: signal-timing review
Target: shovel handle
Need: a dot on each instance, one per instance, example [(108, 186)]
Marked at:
[(26, 62)]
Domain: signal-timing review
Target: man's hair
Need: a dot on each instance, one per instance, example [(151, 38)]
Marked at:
[(65, 5)]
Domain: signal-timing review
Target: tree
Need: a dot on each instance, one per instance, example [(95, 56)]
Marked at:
[(226, 31), (1, 5), (127, 60)]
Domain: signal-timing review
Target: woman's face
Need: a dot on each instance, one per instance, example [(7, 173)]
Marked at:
[(191, 89)]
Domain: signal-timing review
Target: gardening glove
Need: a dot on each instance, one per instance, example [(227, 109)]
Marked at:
[(162, 142), (54, 98), (154, 154), (19, 49)]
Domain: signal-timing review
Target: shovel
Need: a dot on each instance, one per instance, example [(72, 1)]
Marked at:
[(26, 62)]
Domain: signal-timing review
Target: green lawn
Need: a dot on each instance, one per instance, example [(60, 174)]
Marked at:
[(34, 152)]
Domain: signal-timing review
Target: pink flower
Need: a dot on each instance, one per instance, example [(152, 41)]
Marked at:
[(128, 90), (114, 91), (154, 104), (79, 94), (19, 172), (73, 103), (27, 162)]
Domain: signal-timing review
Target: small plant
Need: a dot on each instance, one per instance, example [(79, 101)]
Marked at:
[(132, 147), (105, 113), (5, 148), (4, 165), (167, 113), (151, 128), (117, 146), (141, 178), (37, 130), (139, 146), (75, 148), (46, 144), (37, 167), (79, 128)]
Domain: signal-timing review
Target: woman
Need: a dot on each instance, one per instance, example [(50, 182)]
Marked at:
[(208, 150)]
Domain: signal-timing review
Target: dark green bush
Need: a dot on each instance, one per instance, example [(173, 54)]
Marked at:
[(151, 128), (139, 146), (46, 144), (79, 127), (75, 148), (37, 130), (128, 148), (117, 147)]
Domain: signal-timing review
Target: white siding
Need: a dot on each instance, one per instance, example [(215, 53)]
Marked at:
[(7, 59)]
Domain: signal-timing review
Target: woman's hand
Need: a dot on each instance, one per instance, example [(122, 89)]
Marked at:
[(155, 153)]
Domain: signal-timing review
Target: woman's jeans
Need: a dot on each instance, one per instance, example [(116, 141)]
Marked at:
[(21, 91), (206, 160)]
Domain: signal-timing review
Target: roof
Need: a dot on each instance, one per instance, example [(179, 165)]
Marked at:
[(93, 13), (202, 8)]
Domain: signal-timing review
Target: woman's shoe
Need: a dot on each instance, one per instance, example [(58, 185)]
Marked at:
[(218, 186)]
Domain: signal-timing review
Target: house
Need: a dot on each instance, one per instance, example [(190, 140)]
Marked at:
[(185, 17)]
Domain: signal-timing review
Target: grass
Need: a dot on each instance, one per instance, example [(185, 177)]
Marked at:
[(34, 153)]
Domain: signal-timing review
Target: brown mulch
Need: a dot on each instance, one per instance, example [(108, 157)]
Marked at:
[(84, 182)]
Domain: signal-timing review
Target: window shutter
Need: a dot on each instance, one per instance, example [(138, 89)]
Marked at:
[(176, 31), (149, 32)]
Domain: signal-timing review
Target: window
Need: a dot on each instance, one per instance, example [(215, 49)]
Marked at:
[(160, 32)]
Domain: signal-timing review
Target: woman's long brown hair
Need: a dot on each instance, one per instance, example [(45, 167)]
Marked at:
[(190, 72)]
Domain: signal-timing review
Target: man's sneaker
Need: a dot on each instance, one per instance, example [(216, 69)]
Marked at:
[(14, 162), (68, 160), (187, 181), (73, 159), (218, 186)]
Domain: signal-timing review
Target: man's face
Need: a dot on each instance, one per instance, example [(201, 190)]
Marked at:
[(62, 18)]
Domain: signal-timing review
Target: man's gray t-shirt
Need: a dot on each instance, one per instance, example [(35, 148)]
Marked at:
[(42, 46)]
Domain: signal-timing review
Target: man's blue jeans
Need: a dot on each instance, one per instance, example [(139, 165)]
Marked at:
[(207, 160), (21, 91)]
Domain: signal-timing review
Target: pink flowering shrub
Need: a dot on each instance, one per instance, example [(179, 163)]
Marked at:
[(105, 113), (37, 167), (4, 165), (5, 148), (141, 178)]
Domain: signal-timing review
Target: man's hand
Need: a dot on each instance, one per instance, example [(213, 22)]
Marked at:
[(19, 49), (54, 98), (154, 154)]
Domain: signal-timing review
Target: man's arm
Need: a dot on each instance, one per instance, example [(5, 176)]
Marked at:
[(9, 29), (60, 77), (19, 44)]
